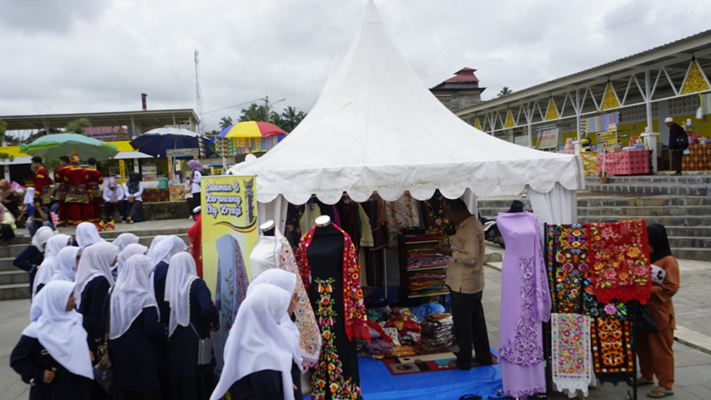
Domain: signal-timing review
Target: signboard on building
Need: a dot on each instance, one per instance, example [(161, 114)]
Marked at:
[(521, 140), (548, 138), (187, 152)]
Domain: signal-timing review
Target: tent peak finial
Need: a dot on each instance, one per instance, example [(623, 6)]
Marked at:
[(371, 13)]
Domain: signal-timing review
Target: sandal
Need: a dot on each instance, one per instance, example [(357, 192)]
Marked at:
[(659, 393)]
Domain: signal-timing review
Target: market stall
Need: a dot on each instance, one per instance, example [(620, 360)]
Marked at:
[(376, 137), (699, 157), (630, 162)]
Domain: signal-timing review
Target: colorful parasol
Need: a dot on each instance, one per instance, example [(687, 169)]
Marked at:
[(56, 145), (251, 129)]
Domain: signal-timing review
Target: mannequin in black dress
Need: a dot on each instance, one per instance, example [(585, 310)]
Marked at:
[(325, 257)]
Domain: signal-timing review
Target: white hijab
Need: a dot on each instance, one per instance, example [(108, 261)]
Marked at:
[(180, 277), (46, 269), (124, 240), (132, 249), (65, 264), (167, 248), (287, 281), (59, 331), (131, 295), (95, 261), (41, 237), (154, 243), (256, 341), (87, 234)]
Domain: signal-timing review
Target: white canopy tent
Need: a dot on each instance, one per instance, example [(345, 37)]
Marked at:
[(377, 128)]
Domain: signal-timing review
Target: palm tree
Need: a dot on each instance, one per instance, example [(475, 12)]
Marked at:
[(292, 118), (254, 113), (225, 122), (504, 91)]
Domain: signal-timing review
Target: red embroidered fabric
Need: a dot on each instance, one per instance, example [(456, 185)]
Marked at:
[(618, 255), (354, 307)]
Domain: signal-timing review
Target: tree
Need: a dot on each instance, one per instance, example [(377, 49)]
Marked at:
[(225, 122), (77, 126), (3, 129), (254, 112), (505, 91), (291, 118)]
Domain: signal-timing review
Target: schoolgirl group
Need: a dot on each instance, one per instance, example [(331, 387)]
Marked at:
[(150, 309)]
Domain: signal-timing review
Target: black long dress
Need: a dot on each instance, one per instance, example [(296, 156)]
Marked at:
[(159, 276), (92, 308), (185, 379), (28, 261), (325, 255), (28, 361), (136, 358)]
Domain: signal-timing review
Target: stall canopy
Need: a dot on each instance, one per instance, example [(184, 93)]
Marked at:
[(377, 128)]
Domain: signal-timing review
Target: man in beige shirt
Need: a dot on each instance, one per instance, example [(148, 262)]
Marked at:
[(465, 279)]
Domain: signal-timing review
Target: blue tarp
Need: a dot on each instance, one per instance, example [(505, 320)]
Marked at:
[(377, 383)]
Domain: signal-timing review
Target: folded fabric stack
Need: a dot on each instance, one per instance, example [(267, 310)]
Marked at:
[(424, 258), (437, 332), (427, 281)]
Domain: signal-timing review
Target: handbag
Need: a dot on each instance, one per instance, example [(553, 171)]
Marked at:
[(643, 319), (103, 372), (204, 348)]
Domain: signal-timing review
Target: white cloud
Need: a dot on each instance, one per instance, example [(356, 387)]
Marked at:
[(90, 56)]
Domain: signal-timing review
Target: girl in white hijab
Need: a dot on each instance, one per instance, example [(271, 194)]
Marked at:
[(258, 357), (135, 333), (124, 240), (39, 240), (287, 281), (192, 315), (87, 234), (65, 264), (65, 371), (154, 243), (33, 255), (130, 250), (93, 281), (164, 250), (45, 271)]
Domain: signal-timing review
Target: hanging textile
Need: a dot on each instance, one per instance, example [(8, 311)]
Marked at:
[(612, 349), (403, 213), (374, 255), (595, 308), (567, 254), (705, 103), (601, 123), (570, 344), (293, 226), (619, 258), (435, 216)]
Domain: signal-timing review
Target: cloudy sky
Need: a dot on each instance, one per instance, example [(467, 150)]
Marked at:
[(100, 55)]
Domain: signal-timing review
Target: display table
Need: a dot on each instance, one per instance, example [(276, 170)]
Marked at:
[(624, 163), (698, 160)]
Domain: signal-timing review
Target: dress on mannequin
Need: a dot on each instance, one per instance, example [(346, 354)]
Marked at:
[(521, 334), (325, 253)]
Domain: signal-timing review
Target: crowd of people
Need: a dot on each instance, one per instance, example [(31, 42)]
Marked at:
[(149, 308)]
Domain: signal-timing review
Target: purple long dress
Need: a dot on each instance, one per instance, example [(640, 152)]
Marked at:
[(525, 303)]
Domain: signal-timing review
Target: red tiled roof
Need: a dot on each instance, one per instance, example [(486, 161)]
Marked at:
[(464, 75)]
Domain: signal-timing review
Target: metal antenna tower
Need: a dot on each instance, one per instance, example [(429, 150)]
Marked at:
[(198, 93)]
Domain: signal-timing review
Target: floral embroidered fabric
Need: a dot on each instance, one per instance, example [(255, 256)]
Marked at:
[(619, 256), (435, 216), (310, 342), (570, 344), (611, 348), (402, 214), (354, 307), (327, 379), (525, 349), (566, 259)]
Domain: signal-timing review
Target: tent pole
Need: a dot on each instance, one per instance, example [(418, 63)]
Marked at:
[(385, 273)]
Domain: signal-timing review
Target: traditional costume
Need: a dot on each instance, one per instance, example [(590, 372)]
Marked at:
[(77, 198), (195, 235), (60, 193), (42, 183), (93, 183), (164, 250)]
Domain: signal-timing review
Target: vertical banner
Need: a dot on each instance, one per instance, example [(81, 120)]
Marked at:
[(122, 171), (229, 233)]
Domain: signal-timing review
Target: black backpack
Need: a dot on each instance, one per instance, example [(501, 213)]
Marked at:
[(682, 141)]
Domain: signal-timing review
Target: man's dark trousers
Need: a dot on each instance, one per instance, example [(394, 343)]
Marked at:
[(470, 325)]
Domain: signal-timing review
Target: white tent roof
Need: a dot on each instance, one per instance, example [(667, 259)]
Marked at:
[(377, 128)]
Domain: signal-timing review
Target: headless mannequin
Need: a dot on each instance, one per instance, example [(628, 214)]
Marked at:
[(269, 232), (325, 256)]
